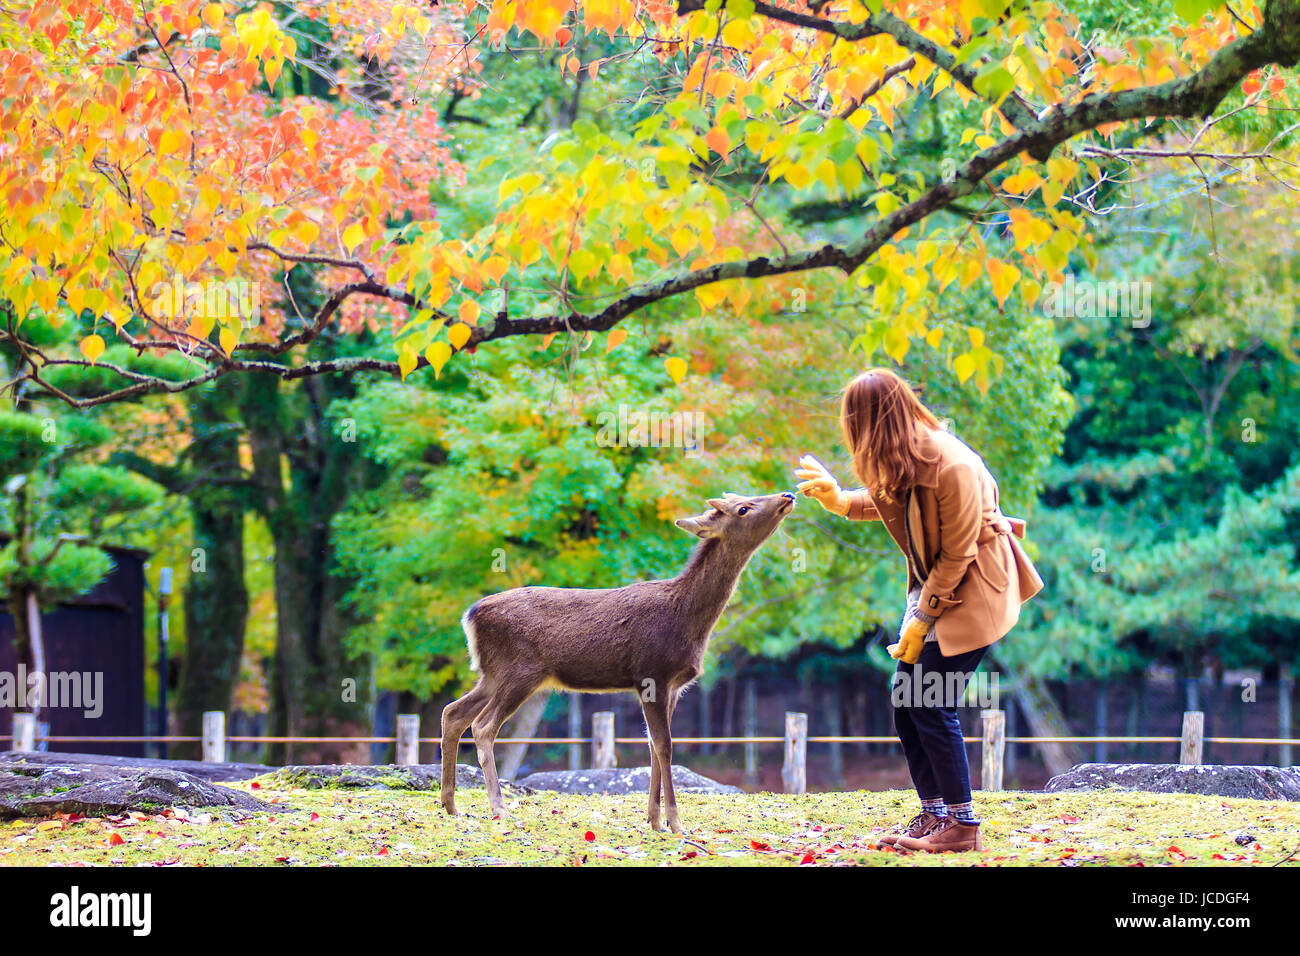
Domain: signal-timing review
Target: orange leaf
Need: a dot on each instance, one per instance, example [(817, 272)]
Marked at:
[(719, 141)]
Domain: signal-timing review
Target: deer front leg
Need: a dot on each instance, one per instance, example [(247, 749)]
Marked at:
[(656, 714), (655, 773)]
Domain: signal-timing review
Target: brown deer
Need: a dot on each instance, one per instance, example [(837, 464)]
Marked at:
[(648, 637)]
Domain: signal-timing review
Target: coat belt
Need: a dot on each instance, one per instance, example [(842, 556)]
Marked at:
[(998, 524)]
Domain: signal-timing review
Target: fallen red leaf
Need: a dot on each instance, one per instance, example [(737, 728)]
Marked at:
[(1069, 819), (383, 851), (255, 785), (115, 839), (754, 844), (589, 836), (315, 816), (808, 858)]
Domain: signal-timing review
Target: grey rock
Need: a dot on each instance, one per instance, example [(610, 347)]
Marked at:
[(621, 780), (213, 772), (27, 791), (1254, 783)]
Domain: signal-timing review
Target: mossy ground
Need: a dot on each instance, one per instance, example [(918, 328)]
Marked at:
[(396, 828)]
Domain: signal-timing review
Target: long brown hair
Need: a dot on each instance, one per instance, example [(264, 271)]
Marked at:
[(882, 419)]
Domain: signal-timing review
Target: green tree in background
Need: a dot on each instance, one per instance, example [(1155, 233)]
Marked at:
[(60, 506)]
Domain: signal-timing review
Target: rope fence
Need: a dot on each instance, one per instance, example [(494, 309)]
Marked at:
[(602, 741)]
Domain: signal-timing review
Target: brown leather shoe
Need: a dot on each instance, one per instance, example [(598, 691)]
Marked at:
[(918, 826), (946, 836)]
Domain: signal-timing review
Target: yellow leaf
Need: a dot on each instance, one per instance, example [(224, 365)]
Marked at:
[(353, 235), (214, 16), (437, 354), (964, 366), (406, 361), (1004, 277), (169, 142), (683, 240), (933, 337), (469, 312), (798, 176), (458, 335), (547, 339), (92, 346), (616, 338), (676, 368), (229, 338)]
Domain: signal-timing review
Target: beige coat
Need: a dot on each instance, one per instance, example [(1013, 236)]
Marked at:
[(973, 573)]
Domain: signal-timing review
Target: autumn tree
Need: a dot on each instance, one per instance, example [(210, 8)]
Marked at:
[(151, 177)]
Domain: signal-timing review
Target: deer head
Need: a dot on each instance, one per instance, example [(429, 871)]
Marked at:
[(746, 522)]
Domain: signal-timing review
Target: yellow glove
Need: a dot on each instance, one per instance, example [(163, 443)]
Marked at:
[(910, 642), (816, 481)]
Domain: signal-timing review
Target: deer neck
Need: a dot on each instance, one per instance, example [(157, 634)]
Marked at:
[(708, 580)]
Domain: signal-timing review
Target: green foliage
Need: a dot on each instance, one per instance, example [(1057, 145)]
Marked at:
[(59, 505)]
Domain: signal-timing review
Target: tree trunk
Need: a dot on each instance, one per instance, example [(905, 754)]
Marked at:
[(216, 613), (522, 724), (317, 688), (1045, 719)]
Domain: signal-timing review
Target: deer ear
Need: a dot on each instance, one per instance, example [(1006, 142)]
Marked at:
[(696, 526), (718, 503)]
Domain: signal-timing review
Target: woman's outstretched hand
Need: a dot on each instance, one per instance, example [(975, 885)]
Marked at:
[(816, 481)]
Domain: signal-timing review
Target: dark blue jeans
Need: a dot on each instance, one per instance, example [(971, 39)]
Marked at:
[(925, 696)]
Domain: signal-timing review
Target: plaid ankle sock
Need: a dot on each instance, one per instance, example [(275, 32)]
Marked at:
[(962, 812), (935, 806)]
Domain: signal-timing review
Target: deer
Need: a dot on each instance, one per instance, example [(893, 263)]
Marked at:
[(648, 638)]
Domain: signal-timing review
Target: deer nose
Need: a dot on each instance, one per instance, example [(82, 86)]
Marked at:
[(788, 494)]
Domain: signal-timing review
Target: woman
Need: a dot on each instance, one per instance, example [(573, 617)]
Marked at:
[(967, 577)]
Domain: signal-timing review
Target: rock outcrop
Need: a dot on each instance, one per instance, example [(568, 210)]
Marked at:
[(44, 789), (621, 780), (1254, 783)]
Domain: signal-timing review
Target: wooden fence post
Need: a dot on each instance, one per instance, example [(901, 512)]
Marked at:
[(994, 748), (1101, 721), (1193, 737), (214, 736), (750, 722), (794, 773), (408, 741), (602, 741), (24, 733)]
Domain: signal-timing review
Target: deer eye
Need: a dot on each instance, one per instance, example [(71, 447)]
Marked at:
[(743, 511)]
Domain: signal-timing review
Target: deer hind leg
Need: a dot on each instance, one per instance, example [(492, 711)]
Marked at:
[(456, 716), (505, 701)]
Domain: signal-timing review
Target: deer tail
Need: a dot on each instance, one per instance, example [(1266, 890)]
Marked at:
[(471, 642)]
